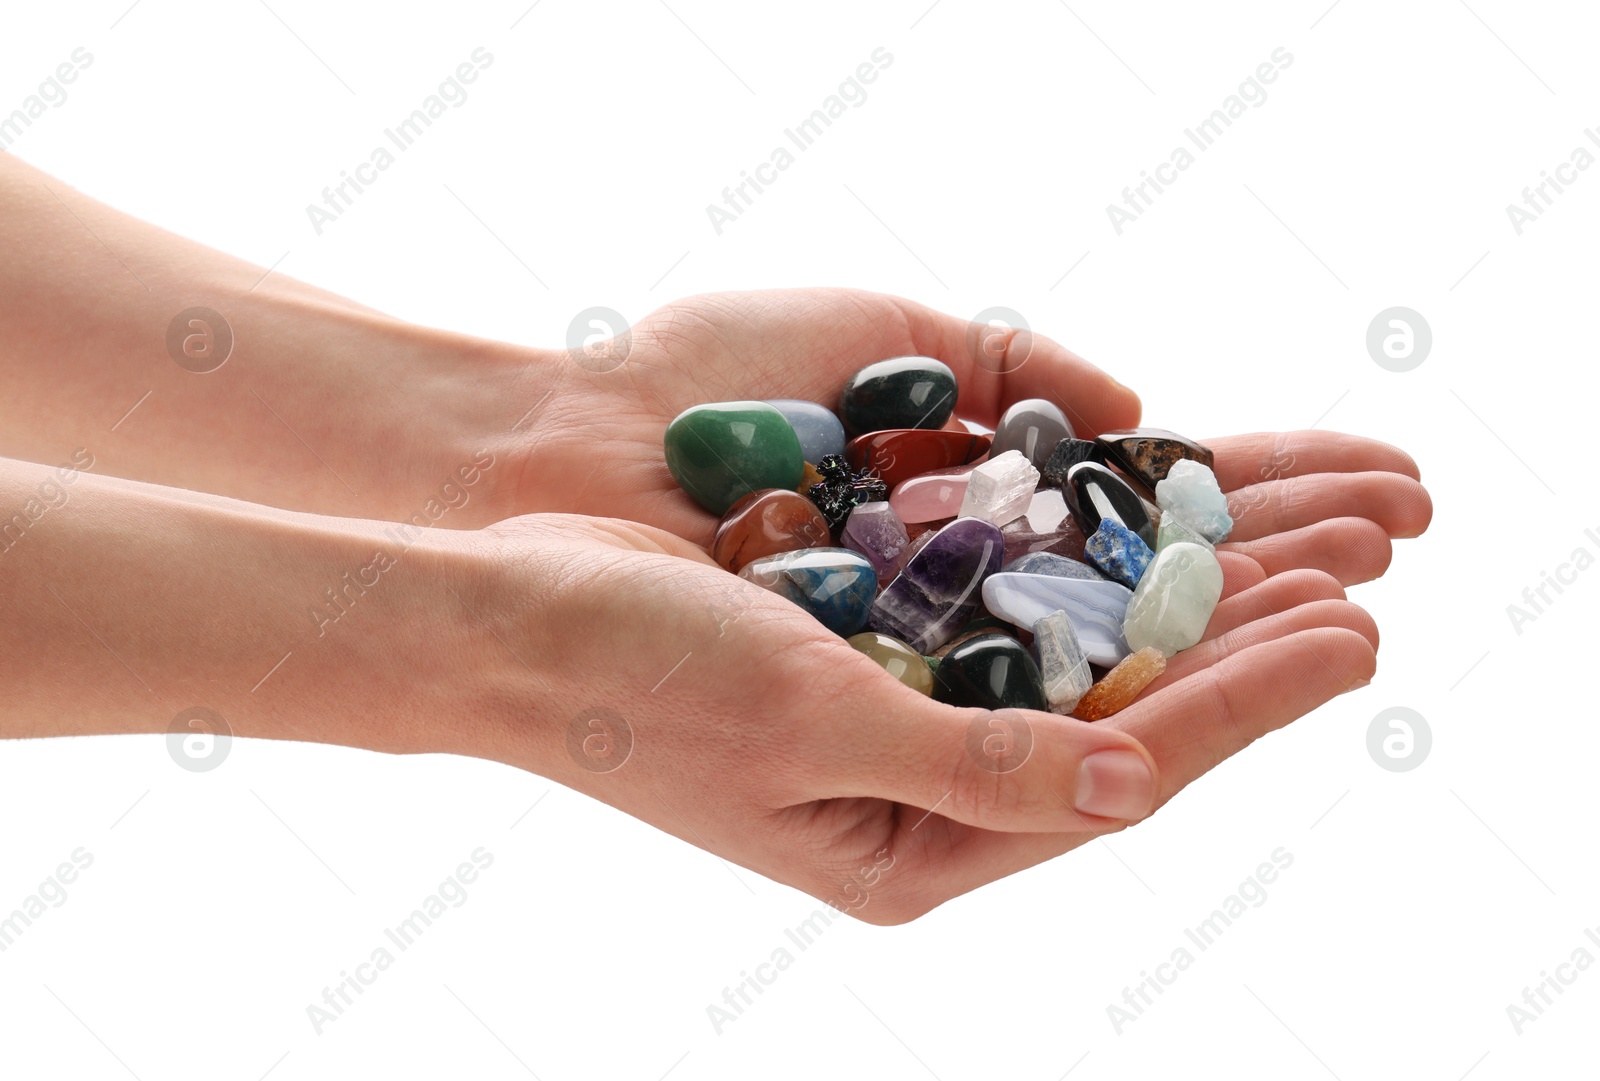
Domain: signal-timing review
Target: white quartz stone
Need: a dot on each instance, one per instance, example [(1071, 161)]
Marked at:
[(1097, 609), (1191, 493), (1175, 599), (1062, 664), (1000, 489)]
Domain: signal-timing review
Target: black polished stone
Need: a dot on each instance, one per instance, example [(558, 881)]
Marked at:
[(1087, 480), (1150, 453), (1033, 427), (1068, 453), (991, 671), (906, 392)]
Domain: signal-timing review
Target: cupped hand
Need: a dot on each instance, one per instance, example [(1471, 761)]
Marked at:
[(1304, 499), (723, 714)]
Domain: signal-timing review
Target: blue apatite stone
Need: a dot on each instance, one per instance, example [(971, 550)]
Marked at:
[(1119, 551), (834, 584), (820, 432)]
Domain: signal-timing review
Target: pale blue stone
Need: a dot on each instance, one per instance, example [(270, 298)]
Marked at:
[(1190, 492), (819, 431), (1119, 551), (1096, 609), (1174, 602)]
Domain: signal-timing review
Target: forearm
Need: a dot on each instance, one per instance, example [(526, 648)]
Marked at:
[(129, 603), (319, 405)]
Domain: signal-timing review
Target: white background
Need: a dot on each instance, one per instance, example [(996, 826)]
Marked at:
[(1377, 172)]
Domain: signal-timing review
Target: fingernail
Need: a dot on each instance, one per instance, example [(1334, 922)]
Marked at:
[(1115, 784)]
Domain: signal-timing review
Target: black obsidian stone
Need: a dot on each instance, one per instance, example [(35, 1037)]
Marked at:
[(1068, 453), (991, 671), (1092, 490), (1150, 453), (906, 392)]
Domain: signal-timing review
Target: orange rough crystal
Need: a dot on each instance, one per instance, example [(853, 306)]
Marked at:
[(1121, 685)]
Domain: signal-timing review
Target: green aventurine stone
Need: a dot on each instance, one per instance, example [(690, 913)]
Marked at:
[(722, 451)]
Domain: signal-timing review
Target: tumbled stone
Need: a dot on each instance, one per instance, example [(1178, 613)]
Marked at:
[(834, 584), (1190, 491), (895, 657), (939, 588), (991, 671), (842, 489), (1119, 552), (874, 530), (1047, 510), (905, 392), (1034, 427), (1120, 686), (1051, 563), (1150, 453), (818, 429), (765, 523), (1097, 609), (983, 624), (1068, 453), (1000, 489), (1021, 538), (1063, 667), (898, 454), (725, 450), (1094, 492), (928, 497), (1170, 609), (1172, 530)]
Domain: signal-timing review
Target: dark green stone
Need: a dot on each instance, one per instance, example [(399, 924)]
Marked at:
[(906, 392), (991, 671), (723, 451)]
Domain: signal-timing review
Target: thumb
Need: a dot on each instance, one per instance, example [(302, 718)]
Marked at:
[(1012, 770)]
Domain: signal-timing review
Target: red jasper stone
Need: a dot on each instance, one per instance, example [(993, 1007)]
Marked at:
[(766, 523), (896, 454)]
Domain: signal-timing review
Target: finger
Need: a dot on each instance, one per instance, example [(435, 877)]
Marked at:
[(1271, 625), (1263, 456), (1279, 593), (1353, 550), (1196, 723), (995, 367), (1239, 573), (1007, 770), (1397, 503)]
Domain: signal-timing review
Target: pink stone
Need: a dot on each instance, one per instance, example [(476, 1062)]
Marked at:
[(929, 497)]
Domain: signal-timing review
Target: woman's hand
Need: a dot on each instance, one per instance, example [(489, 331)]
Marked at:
[(728, 717)]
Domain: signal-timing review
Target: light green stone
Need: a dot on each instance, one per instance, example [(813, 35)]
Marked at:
[(1179, 591), (1174, 530)]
